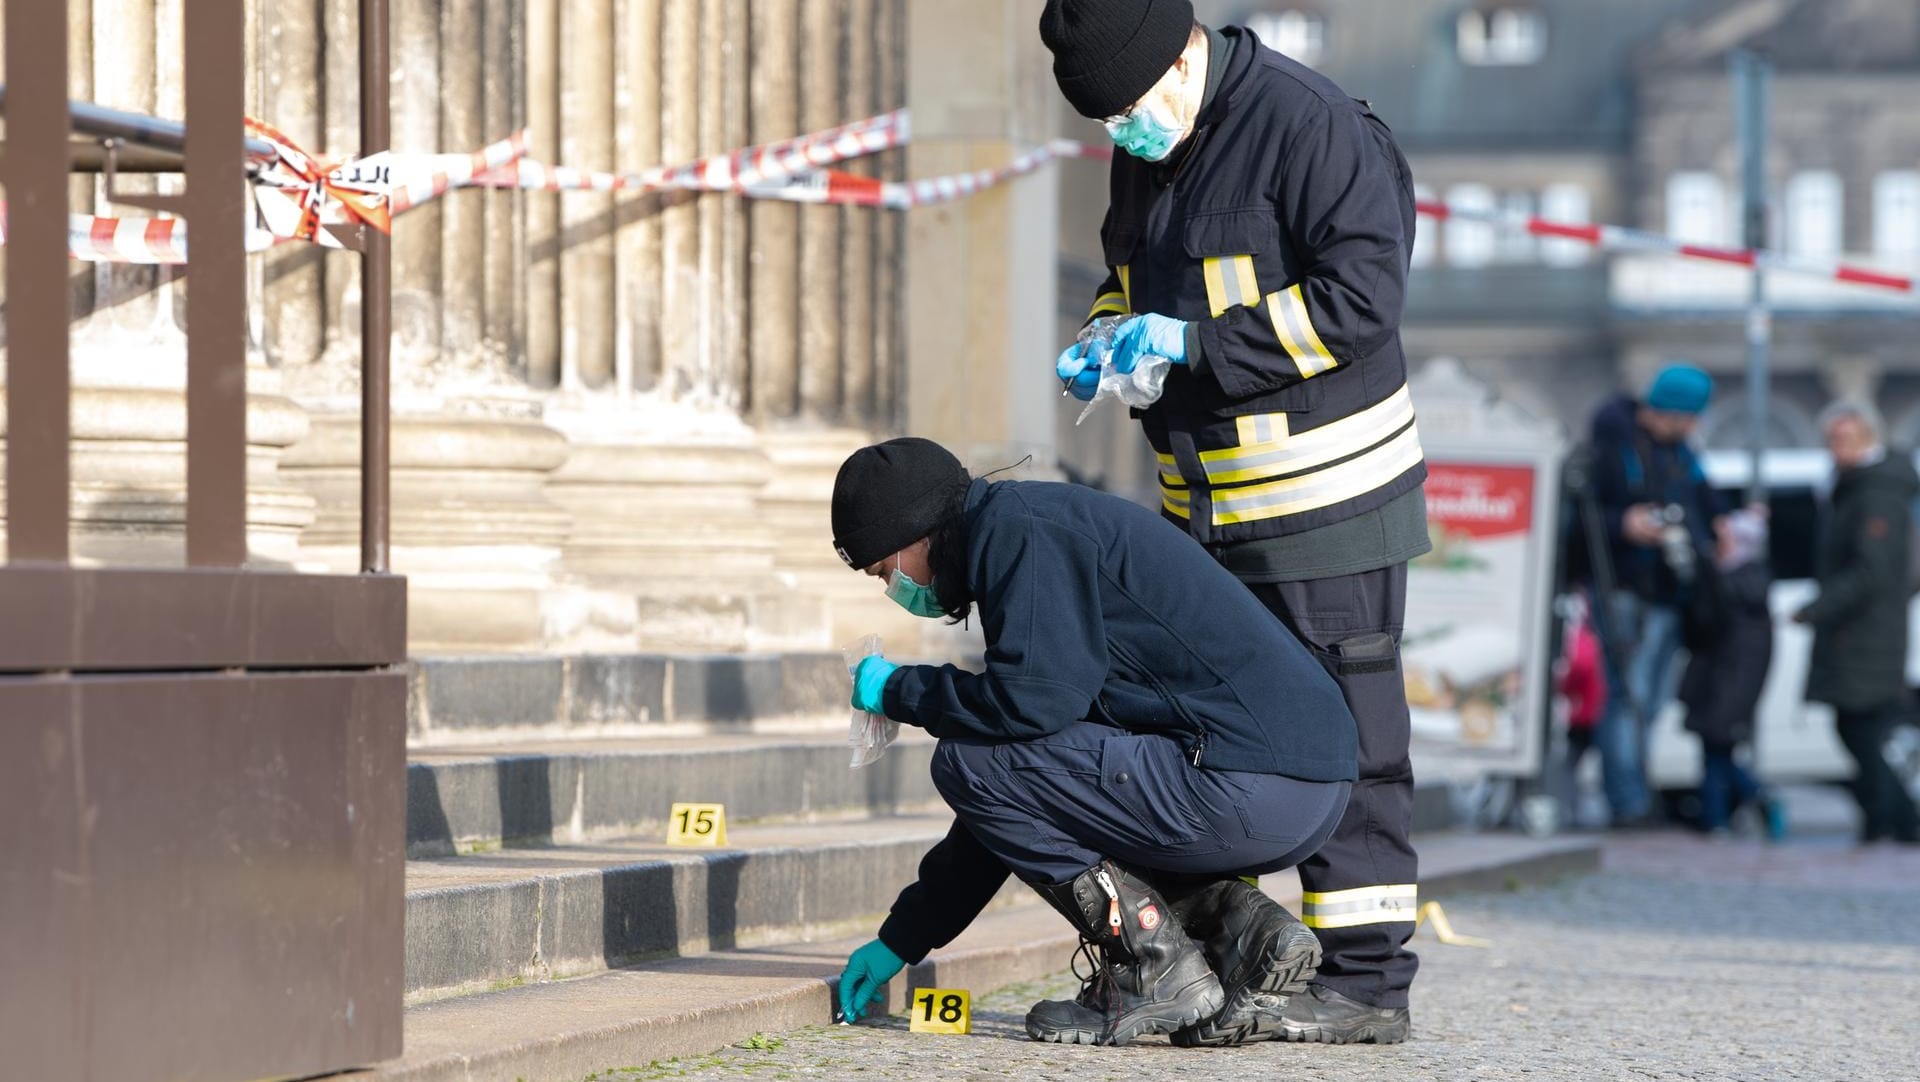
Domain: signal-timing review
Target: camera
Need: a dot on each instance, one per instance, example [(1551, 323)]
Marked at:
[(1676, 541)]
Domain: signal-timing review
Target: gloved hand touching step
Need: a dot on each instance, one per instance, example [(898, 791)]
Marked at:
[(869, 681), (870, 967)]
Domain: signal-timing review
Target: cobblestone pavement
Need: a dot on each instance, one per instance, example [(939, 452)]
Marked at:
[(1682, 959)]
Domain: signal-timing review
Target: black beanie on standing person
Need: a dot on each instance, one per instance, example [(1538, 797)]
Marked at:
[(892, 494), (1108, 53)]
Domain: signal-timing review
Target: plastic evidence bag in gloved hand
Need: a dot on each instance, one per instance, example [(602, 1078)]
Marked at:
[(869, 734), (1139, 388)]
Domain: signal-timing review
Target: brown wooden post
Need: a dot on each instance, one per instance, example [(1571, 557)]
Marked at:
[(376, 306), (38, 385), (216, 205)]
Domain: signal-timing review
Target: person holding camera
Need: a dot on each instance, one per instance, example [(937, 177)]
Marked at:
[(1660, 517)]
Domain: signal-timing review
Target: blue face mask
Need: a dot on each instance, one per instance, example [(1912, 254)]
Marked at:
[(1144, 134), (912, 596)]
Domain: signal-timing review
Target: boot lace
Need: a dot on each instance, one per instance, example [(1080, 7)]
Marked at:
[(1095, 983)]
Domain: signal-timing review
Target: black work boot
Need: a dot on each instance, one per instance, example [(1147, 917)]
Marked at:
[(1148, 977), (1262, 954), (1323, 1015)]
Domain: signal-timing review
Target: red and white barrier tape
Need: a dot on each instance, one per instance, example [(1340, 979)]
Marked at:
[(746, 170), (1623, 239), (835, 186)]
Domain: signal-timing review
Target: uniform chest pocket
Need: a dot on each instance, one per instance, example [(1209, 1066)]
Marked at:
[(1231, 246)]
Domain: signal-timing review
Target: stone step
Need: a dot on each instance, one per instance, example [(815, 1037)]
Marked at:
[(530, 699), (493, 920), (690, 1006), (467, 799)]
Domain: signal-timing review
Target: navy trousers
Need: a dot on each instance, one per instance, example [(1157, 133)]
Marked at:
[(1052, 808)]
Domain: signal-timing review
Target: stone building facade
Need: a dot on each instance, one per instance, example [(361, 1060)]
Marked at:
[(616, 418)]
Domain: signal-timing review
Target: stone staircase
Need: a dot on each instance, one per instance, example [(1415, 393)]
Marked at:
[(551, 932)]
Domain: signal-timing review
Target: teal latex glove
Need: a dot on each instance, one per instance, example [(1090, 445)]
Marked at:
[(870, 967), (1149, 335), (1078, 371), (869, 680)]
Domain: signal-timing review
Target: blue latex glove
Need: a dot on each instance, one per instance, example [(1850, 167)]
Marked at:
[(869, 680), (1078, 371), (1149, 335), (870, 967)]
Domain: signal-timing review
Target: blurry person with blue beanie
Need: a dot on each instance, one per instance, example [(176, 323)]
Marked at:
[(1661, 519)]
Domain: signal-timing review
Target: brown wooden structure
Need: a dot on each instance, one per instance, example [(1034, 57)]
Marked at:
[(201, 769)]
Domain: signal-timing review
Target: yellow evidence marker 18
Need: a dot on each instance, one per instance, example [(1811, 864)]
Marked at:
[(940, 1010), (697, 824)]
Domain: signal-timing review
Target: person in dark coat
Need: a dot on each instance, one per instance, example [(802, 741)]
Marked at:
[(1726, 672), (1142, 734), (1659, 513), (1859, 618)]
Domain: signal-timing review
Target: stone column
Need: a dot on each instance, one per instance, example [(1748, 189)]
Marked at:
[(682, 292), (293, 324), (463, 215), (543, 210), (723, 245), (980, 272), (418, 288), (586, 218), (340, 23), (503, 218), (636, 96), (890, 93), (820, 314), (858, 225), (774, 259)]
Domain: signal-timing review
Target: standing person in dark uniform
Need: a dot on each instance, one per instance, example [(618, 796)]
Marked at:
[(1142, 733), (1860, 617), (1258, 235)]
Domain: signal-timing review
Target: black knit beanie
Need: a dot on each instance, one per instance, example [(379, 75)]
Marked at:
[(1108, 53), (890, 495)]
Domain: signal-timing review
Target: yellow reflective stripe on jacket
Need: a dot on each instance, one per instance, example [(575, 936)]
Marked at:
[(1288, 311), (1321, 488), (1230, 282), (1392, 904), (1109, 304), (1126, 285), (1267, 450)]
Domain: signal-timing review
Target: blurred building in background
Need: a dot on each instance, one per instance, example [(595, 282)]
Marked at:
[(1618, 112)]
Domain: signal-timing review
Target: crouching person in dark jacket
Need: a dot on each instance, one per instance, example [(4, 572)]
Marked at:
[(1143, 733)]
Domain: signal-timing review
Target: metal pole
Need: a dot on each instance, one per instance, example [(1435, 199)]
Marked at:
[(376, 300), (1751, 77)]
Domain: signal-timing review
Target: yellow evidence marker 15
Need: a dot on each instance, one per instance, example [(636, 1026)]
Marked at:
[(697, 824), (940, 1010)]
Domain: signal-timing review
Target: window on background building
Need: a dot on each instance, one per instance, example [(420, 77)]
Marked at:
[(1423, 250), (1697, 211), (1295, 32), (1896, 218), (1514, 245), (1814, 212), (1567, 204), (1506, 35), (1470, 243)]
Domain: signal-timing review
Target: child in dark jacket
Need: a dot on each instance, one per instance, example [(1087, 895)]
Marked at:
[(1724, 678)]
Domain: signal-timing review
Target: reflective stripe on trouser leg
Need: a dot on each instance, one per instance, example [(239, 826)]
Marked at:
[(1372, 847), (1392, 904)]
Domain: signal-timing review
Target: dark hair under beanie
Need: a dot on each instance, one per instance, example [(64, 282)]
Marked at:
[(1108, 53), (892, 494)]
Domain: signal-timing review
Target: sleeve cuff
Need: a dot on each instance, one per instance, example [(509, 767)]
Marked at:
[(1196, 353)]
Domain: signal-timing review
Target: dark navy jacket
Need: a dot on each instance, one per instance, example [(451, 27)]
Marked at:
[(1281, 231), (1630, 468), (1096, 609)]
